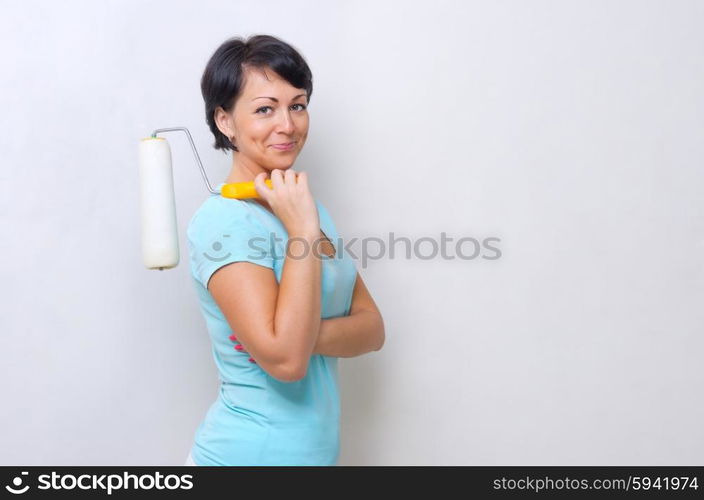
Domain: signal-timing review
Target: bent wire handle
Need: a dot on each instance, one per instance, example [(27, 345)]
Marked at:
[(195, 152)]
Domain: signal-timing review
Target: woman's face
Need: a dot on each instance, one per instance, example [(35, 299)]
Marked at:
[(268, 112)]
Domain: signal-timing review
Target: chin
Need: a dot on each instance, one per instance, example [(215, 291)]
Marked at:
[(286, 165)]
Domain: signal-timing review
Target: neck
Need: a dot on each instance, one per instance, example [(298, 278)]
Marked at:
[(243, 170)]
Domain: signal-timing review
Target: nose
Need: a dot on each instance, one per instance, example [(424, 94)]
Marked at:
[(285, 123)]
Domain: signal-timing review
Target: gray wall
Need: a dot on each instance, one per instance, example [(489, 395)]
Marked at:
[(570, 130)]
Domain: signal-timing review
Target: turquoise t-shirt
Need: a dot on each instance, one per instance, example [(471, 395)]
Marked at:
[(257, 419)]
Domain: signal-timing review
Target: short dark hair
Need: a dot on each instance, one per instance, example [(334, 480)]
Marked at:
[(223, 78)]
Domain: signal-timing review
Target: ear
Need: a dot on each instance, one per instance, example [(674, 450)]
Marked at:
[(224, 122)]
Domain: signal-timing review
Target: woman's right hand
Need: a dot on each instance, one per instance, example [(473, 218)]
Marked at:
[(291, 201)]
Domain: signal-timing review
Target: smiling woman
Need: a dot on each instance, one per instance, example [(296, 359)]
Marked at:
[(260, 131), (279, 315), (242, 72)]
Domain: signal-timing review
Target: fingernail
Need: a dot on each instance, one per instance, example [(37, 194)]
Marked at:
[(233, 338), (252, 360), (239, 347)]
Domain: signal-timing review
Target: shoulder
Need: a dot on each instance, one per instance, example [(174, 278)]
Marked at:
[(223, 231), (218, 213)]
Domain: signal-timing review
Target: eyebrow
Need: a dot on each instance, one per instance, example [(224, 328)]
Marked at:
[(275, 99)]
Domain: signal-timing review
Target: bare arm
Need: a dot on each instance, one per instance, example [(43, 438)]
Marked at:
[(359, 333), (278, 324)]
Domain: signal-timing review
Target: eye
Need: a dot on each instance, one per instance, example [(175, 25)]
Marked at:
[(263, 107), (303, 106)]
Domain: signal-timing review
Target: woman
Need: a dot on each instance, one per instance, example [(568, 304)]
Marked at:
[(281, 302)]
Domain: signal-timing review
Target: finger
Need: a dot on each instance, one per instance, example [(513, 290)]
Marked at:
[(303, 178), (277, 180), (290, 176), (241, 349), (262, 189)]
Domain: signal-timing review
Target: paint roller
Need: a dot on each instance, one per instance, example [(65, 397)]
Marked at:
[(158, 203)]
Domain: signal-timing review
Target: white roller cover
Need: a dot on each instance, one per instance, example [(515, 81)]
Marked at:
[(158, 204)]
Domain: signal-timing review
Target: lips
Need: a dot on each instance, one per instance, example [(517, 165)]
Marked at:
[(283, 146)]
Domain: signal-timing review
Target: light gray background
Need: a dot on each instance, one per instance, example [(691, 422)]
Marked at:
[(571, 130)]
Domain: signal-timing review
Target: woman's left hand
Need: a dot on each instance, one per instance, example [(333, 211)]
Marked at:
[(240, 348)]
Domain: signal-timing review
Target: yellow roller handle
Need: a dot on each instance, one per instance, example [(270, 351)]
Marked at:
[(242, 190)]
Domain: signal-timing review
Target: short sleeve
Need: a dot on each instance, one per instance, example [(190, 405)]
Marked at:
[(225, 233)]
